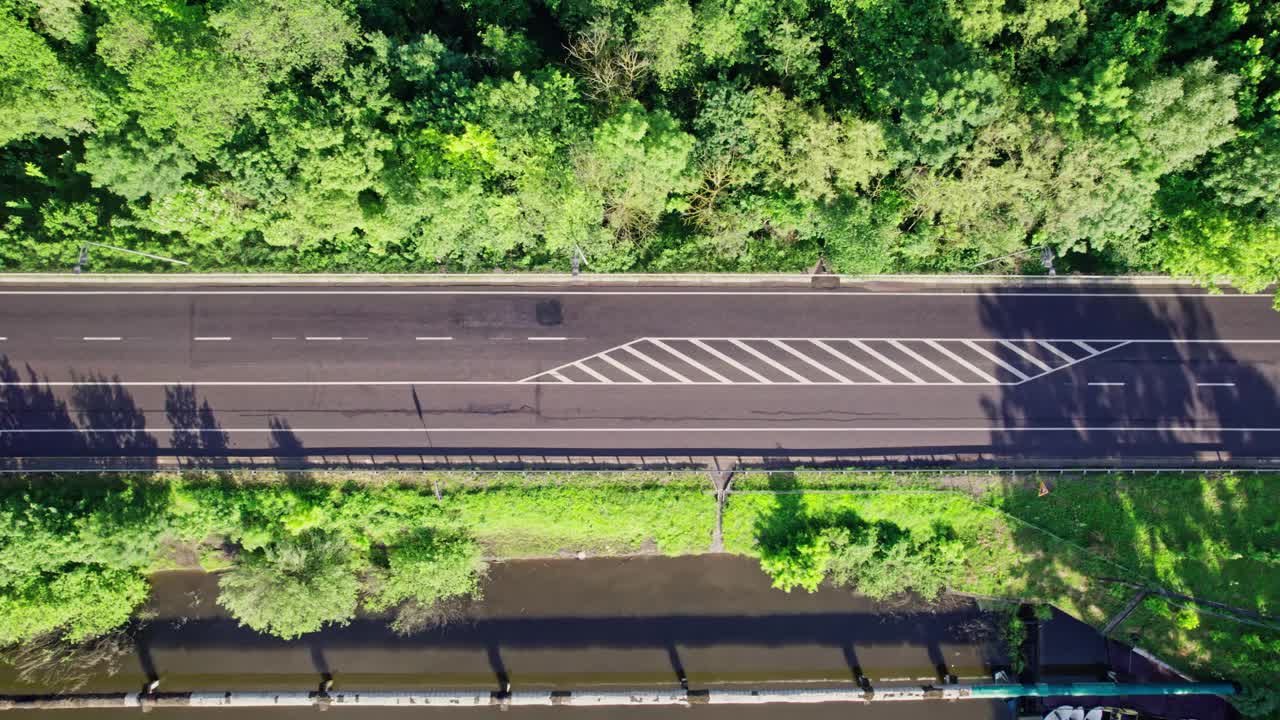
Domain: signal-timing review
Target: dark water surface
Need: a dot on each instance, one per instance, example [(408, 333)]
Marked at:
[(576, 624)]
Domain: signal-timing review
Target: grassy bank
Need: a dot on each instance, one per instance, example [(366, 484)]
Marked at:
[(1210, 537), (75, 551)]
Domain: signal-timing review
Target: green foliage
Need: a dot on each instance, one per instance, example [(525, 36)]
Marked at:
[(80, 603), (293, 586), (429, 567), (720, 135), (801, 543), (40, 94)]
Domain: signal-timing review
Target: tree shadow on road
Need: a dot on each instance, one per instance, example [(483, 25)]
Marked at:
[(1162, 395), (110, 422), (197, 434)]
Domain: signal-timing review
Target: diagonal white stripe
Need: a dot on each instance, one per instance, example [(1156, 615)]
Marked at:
[(880, 356), (605, 357), (925, 361), (1029, 357), (657, 364), (559, 377), (1086, 346), (976, 370), (992, 357), (859, 366), (691, 361), (779, 366), (758, 377), (1054, 349), (583, 367), (811, 361)]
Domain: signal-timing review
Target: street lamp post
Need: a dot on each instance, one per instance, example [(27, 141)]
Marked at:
[(84, 255)]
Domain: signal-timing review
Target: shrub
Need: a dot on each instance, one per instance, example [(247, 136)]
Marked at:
[(292, 587), (424, 572)]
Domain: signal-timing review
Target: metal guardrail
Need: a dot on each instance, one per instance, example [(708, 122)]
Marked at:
[(603, 698), (913, 464)]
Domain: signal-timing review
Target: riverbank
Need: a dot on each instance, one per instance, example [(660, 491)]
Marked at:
[(1202, 536)]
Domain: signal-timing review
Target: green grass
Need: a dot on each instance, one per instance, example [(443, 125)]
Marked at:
[(1215, 537), (521, 519), (1212, 537)]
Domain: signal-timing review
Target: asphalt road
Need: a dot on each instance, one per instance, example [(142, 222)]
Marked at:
[(1036, 375)]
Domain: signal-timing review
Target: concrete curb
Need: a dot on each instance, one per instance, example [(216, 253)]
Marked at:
[(591, 279)]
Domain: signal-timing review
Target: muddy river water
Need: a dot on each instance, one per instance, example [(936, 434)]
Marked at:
[(576, 624)]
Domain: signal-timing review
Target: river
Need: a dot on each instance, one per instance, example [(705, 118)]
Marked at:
[(578, 624)]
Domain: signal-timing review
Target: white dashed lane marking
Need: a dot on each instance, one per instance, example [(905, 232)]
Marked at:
[(824, 361)]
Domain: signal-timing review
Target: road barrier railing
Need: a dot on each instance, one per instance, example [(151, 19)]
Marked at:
[(605, 698)]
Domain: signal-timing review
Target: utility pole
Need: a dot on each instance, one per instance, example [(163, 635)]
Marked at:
[(84, 255)]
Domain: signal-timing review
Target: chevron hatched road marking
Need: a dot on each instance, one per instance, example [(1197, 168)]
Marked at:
[(825, 361)]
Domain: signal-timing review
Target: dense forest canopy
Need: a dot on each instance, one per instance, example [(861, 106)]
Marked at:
[(887, 135)]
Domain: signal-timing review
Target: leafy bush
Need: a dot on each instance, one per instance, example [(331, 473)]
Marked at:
[(83, 602), (424, 571), (293, 586)]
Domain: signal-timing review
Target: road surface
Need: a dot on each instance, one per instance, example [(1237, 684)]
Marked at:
[(1034, 376)]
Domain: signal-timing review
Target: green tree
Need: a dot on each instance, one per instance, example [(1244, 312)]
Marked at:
[(79, 603), (425, 570), (134, 167), (293, 586), (280, 36), (638, 166), (177, 84), (664, 34), (1208, 241), (40, 95)]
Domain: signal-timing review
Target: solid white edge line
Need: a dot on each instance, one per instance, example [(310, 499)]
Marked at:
[(434, 337), (211, 339), (499, 383), (1172, 341), (101, 339), (321, 337), (517, 430), (1216, 384), (1107, 384), (710, 293), (553, 337)]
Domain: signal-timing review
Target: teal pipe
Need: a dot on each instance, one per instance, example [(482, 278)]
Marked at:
[(1101, 689)]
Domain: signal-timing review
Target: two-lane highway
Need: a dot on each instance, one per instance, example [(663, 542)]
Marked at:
[(217, 371)]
